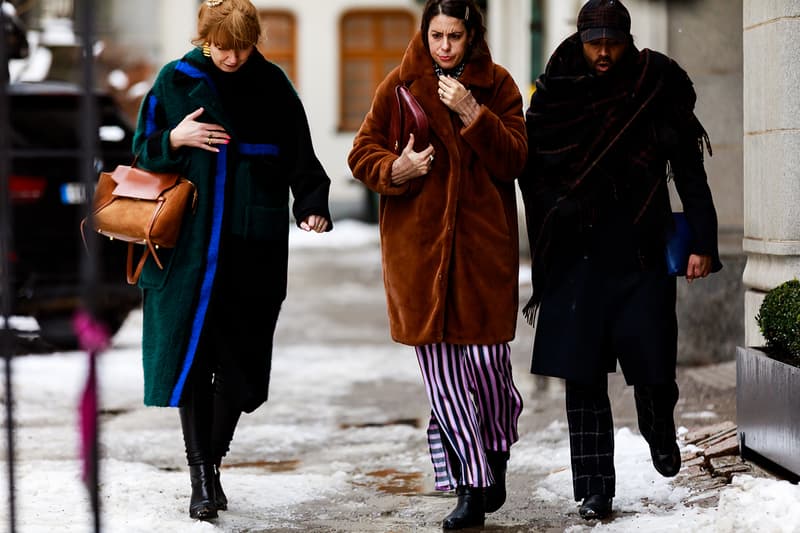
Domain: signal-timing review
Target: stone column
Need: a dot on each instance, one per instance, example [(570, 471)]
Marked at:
[(704, 38), (510, 46), (771, 151), (649, 24), (152, 30), (178, 24), (559, 22)]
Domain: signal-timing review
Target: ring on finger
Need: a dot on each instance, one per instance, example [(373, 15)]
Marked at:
[(208, 141), (431, 158)]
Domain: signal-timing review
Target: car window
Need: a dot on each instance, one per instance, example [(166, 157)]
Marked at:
[(53, 122)]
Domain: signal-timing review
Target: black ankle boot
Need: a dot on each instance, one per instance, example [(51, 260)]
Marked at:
[(496, 494), (196, 421), (220, 499), (469, 510), (595, 507), (667, 462), (226, 416), (202, 505)]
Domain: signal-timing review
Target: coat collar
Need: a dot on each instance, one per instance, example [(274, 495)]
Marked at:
[(196, 72), (192, 71), (417, 63)]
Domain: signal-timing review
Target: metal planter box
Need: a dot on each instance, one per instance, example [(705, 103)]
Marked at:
[(768, 408)]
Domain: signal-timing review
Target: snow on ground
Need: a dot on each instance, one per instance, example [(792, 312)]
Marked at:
[(140, 497)]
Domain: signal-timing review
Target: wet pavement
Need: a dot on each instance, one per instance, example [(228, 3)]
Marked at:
[(340, 446), (392, 490)]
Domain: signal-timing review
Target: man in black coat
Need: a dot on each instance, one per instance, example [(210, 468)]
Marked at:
[(608, 127)]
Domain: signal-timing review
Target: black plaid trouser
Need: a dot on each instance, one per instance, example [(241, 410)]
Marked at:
[(591, 431)]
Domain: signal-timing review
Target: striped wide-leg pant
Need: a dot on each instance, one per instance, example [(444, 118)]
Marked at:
[(474, 409)]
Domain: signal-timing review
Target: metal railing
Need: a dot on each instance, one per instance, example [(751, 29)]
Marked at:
[(5, 266), (89, 151)]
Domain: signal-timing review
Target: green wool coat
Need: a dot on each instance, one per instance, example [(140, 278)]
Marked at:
[(243, 192)]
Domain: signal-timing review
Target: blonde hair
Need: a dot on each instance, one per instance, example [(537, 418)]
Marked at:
[(229, 24)]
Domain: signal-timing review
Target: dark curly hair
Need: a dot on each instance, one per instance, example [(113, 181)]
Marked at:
[(466, 10)]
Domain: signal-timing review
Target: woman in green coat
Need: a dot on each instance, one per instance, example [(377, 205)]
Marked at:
[(231, 122)]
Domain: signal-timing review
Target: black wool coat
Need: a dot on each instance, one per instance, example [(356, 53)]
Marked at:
[(601, 151)]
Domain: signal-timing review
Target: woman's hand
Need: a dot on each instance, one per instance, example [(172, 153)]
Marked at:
[(411, 164), (699, 266), (458, 99), (190, 132), (314, 223)]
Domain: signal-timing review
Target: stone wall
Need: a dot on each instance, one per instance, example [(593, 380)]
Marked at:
[(771, 150), (704, 36)]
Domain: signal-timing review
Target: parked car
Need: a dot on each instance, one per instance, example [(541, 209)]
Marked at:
[(15, 32), (48, 201)]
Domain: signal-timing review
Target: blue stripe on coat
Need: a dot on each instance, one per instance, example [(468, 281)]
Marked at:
[(150, 126), (212, 256), (193, 72), (259, 149)]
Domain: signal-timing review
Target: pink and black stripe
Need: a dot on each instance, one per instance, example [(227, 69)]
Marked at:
[(475, 407)]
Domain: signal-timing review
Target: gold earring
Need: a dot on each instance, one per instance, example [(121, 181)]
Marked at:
[(206, 49)]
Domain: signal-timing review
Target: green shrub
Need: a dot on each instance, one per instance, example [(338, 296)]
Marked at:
[(779, 319)]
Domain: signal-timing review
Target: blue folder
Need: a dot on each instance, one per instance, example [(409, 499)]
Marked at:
[(679, 242)]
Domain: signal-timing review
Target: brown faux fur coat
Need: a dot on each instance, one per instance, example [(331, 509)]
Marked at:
[(450, 238)]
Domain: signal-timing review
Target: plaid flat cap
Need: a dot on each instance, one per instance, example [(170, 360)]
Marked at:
[(604, 19)]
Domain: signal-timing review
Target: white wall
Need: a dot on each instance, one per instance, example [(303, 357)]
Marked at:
[(318, 68), (648, 22), (508, 34), (318, 51), (177, 26), (317, 34), (771, 151), (318, 79)]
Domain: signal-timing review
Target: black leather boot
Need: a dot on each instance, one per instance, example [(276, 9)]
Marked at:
[(220, 499), (469, 511), (226, 417), (196, 420), (655, 405), (667, 462), (595, 507), (202, 504), (496, 494)]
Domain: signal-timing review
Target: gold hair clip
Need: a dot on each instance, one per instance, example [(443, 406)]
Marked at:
[(213, 3), (466, 13)]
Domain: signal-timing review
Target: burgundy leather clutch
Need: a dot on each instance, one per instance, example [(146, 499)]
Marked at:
[(407, 118)]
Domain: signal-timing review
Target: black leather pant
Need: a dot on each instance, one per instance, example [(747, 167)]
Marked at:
[(211, 403)]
